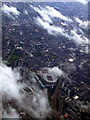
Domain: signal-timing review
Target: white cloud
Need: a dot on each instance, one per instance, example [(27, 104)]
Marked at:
[(37, 106), (11, 113), (50, 28), (26, 12), (48, 12), (47, 18), (43, 13), (80, 39), (41, 105), (54, 72), (54, 30), (82, 24), (54, 13), (82, 1), (10, 11), (9, 81)]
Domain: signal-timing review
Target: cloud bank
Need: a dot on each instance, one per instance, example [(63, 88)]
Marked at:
[(9, 82), (36, 105)]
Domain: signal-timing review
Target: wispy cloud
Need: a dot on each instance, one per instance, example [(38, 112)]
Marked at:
[(54, 72), (10, 11), (80, 39), (26, 12), (54, 13), (55, 30), (48, 12), (82, 24), (43, 13), (52, 29)]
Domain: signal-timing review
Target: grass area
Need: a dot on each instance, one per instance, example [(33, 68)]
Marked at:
[(16, 55)]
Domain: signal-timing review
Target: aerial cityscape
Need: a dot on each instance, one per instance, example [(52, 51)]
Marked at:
[(45, 65)]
